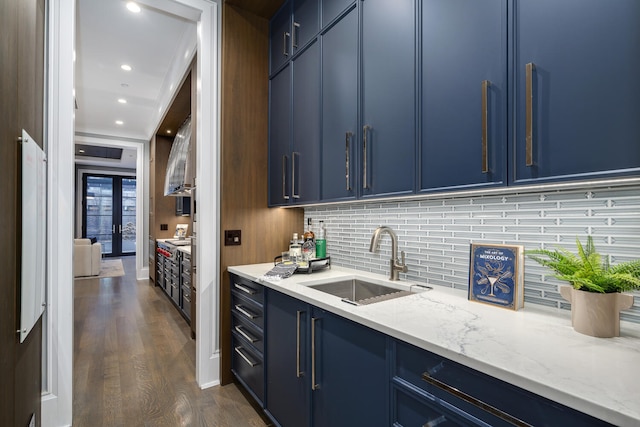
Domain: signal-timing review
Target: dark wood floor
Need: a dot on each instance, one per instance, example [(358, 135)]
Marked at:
[(134, 361)]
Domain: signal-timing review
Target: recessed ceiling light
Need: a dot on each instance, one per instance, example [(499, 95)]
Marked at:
[(122, 101), (119, 122), (168, 130), (133, 7), (126, 67)]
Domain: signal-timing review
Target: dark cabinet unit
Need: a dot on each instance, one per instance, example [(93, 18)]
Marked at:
[(173, 275), (280, 138), (576, 103), (464, 94)]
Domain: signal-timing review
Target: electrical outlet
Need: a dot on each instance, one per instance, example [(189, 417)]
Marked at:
[(164, 227), (232, 237)]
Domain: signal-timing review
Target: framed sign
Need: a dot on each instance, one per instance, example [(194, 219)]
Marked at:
[(496, 275)]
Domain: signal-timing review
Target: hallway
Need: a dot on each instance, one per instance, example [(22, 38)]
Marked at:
[(134, 361)]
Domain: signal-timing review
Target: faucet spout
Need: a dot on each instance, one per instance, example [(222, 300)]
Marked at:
[(396, 266)]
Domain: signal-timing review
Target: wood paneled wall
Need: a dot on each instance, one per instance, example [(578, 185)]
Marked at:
[(21, 107), (244, 138)]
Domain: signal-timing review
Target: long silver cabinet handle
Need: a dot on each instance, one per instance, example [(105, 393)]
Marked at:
[(314, 386), (246, 359), (365, 130), (433, 423), (475, 402), (293, 175), (529, 68), (245, 312), (285, 51), (245, 289), (347, 155), (485, 126), (296, 35), (285, 159), (244, 334), (299, 373)]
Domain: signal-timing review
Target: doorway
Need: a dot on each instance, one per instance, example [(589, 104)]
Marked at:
[(109, 212)]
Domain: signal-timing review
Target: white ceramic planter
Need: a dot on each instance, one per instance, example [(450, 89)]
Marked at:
[(596, 314)]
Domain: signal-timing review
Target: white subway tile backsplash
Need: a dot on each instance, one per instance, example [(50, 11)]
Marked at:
[(436, 233)]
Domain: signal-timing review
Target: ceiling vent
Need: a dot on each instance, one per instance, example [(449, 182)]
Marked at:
[(99, 152)]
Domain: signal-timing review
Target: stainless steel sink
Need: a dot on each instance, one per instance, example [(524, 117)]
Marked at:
[(362, 292)]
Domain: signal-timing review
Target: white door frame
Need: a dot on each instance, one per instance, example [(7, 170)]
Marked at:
[(57, 400)]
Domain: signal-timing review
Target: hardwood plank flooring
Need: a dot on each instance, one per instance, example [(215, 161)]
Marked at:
[(134, 361)]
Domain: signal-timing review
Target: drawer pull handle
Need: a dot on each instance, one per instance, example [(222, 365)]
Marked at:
[(433, 423), (246, 359), (245, 312), (186, 298), (475, 402), (245, 289), (245, 335)]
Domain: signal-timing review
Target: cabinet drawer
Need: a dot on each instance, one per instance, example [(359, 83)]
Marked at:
[(245, 330), (247, 309), (248, 367), (411, 362), (247, 288)]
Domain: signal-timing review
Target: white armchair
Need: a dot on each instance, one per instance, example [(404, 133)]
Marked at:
[(86, 258)]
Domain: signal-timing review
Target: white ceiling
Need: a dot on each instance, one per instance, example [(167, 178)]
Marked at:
[(157, 45)]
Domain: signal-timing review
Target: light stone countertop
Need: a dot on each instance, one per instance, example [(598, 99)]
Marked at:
[(534, 348)]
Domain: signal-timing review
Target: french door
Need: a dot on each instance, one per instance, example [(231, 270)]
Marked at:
[(109, 212)]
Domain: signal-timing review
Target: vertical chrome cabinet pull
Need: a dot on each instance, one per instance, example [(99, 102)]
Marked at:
[(426, 376), (485, 126), (113, 229), (347, 155), (298, 372), (365, 130), (314, 386), (529, 113), (285, 51), (296, 35), (285, 196), (293, 175)]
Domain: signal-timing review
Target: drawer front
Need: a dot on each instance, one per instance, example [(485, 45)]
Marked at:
[(411, 362), (248, 367), (247, 309), (247, 288), (245, 330), (186, 302), (410, 410)]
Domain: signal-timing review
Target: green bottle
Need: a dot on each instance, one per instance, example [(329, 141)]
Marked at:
[(321, 242)]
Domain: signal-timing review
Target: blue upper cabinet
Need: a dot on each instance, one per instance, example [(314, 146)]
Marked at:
[(577, 93), (280, 161), (331, 9), (305, 23), (388, 127), (305, 157), (340, 108), (280, 38), (464, 94)]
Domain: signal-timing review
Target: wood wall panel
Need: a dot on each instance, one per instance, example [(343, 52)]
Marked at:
[(244, 162), (21, 107)]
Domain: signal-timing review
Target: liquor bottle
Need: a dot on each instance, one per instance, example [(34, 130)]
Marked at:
[(321, 241), (309, 244), (295, 250)]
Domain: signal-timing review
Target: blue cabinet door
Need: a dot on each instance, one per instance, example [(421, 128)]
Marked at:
[(287, 363), (331, 9), (280, 37), (583, 104), (340, 108), (305, 25), (305, 157), (348, 365), (388, 142), (464, 93), (280, 138)]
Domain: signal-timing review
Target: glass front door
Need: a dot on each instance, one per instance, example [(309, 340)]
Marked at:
[(109, 213)]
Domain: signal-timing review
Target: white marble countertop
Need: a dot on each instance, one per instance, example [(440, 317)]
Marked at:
[(534, 348)]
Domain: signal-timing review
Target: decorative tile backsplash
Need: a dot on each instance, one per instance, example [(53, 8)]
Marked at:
[(435, 233)]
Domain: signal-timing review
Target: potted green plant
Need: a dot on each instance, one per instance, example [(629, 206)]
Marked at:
[(596, 287)]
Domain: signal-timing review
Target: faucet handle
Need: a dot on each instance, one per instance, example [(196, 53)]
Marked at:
[(403, 265)]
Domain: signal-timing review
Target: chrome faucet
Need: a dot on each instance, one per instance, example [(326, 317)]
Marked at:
[(396, 267)]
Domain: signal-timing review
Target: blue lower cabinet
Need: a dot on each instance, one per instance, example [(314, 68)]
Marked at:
[(348, 373)]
